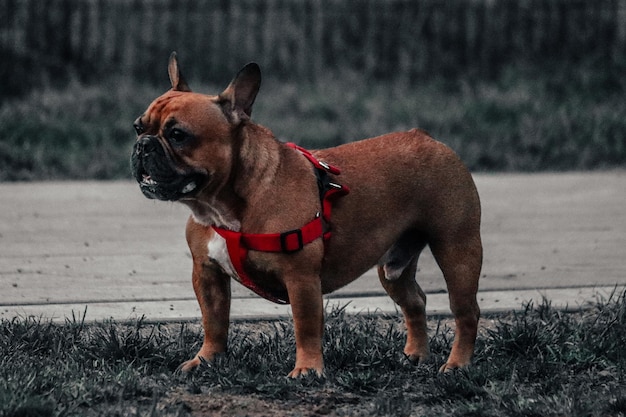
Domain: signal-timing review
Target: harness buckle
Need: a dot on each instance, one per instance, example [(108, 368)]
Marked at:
[(285, 241), (324, 165)]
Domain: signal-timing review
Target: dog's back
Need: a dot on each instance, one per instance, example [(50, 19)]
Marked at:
[(409, 186)]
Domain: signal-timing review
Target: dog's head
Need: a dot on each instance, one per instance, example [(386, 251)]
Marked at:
[(185, 140)]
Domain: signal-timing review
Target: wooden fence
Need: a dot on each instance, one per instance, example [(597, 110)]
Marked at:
[(42, 40)]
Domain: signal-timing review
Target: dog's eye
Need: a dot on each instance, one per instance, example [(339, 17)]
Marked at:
[(178, 136)]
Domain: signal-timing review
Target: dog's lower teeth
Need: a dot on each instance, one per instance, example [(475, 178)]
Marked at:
[(147, 180), (189, 187)]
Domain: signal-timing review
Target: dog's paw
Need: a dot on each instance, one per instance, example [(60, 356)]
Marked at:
[(417, 356), (450, 366), (304, 372), (190, 365), (417, 359)]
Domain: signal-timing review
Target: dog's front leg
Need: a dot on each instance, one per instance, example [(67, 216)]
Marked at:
[(212, 288), (307, 306), (213, 294)]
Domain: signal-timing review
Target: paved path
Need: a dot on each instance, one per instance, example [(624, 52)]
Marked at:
[(101, 246)]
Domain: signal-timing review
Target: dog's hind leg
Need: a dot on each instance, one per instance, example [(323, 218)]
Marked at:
[(396, 271), (460, 261)]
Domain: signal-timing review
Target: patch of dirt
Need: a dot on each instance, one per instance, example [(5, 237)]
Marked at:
[(216, 404)]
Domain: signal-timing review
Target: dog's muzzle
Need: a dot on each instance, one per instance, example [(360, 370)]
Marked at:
[(157, 173)]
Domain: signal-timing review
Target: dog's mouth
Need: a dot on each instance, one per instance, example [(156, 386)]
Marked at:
[(171, 188), (159, 179), (146, 180), (151, 185)]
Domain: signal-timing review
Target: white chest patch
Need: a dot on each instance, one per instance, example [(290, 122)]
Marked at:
[(219, 253)]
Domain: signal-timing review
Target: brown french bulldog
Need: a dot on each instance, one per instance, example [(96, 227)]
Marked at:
[(261, 214)]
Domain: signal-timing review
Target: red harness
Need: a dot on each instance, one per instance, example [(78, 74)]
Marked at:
[(239, 243)]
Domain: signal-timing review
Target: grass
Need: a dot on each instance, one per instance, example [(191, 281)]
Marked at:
[(560, 118), (536, 362)]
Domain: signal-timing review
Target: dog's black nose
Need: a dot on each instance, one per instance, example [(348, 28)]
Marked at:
[(145, 145)]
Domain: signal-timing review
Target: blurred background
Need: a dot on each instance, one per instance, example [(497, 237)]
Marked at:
[(510, 85)]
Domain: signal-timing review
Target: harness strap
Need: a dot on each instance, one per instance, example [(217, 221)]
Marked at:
[(318, 164), (328, 189), (238, 243), (238, 253)]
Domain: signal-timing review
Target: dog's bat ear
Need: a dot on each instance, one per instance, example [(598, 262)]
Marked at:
[(176, 77), (239, 96)]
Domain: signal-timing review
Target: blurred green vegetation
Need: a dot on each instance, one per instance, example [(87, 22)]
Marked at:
[(519, 85), (559, 118), (52, 41)]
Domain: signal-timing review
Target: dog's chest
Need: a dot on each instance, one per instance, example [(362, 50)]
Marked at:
[(218, 252)]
